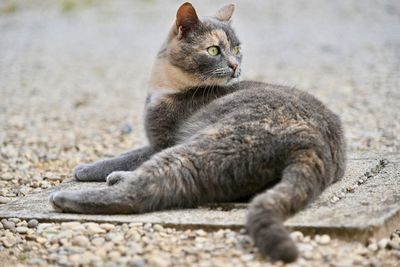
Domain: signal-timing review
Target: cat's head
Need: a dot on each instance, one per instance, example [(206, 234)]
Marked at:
[(200, 51)]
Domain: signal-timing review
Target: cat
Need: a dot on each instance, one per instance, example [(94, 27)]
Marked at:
[(213, 138)]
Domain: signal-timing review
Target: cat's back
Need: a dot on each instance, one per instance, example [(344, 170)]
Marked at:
[(251, 101), (279, 114)]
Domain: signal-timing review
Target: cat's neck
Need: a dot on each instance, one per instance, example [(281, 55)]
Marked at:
[(165, 76)]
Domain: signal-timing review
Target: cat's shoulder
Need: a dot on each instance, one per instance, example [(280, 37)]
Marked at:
[(280, 94), (272, 89)]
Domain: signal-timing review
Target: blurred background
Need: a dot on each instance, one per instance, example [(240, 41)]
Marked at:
[(73, 73)]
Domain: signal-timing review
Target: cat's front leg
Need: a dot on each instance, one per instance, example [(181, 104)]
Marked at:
[(98, 171), (110, 200)]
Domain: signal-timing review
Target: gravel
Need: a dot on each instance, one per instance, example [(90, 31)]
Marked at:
[(71, 83), (58, 244)]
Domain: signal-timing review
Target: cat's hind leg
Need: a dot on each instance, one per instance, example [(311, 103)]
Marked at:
[(303, 179), (183, 176), (98, 171)]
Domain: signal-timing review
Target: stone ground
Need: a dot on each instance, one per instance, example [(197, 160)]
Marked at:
[(72, 84)]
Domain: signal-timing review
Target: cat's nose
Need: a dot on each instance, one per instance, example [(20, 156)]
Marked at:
[(233, 66)]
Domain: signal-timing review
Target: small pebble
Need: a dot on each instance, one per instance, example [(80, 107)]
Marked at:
[(6, 177), (394, 243), (14, 220), (158, 227), (136, 262), (247, 257), (126, 128), (383, 243), (325, 239), (308, 255), (80, 240), (361, 250), (133, 234), (158, 261), (350, 189), (78, 260), (8, 225), (200, 232), (334, 199), (76, 226), (37, 262), (297, 236), (114, 254), (33, 223), (94, 228), (4, 200), (41, 240), (373, 247), (8, 240), (53, 177), (22, 223), (98, 241), (107, 226), (303, 247), (22, 229)]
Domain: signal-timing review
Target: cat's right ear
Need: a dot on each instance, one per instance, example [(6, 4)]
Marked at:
[(225, 13), (186, 20)]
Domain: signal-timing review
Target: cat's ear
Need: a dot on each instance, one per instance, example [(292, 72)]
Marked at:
[(225, 13), (186, 19)]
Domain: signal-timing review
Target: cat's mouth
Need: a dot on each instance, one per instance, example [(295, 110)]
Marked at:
[(234, 77), (227, 76), (220, 77)]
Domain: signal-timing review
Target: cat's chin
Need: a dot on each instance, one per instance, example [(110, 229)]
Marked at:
[(226, 81), (232, 81)]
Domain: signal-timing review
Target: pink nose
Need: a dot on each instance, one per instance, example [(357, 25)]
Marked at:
[(233, 66)]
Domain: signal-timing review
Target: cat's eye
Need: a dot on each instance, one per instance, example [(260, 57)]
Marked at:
[(213, 50), (236, 50)]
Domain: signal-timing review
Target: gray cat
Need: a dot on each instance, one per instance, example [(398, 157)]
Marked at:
[(215, 139)]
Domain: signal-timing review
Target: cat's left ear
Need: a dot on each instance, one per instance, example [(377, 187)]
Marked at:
[(225, 13), (186, 19)]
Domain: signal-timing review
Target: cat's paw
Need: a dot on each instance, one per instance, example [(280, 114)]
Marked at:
[(53, 202), (117, 177), (81, 172), (87, 172), (60, 201)]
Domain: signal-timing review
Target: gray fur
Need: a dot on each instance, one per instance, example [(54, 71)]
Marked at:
[(223, 143)]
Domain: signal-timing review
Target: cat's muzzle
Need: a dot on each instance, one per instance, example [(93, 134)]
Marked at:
[(236, 73)]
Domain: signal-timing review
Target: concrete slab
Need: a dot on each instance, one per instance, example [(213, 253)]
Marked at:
[(364, 204)]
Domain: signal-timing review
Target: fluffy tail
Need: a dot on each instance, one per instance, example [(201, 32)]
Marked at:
[(304, 177)]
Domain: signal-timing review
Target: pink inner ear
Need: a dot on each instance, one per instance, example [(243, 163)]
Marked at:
[(186, 18)]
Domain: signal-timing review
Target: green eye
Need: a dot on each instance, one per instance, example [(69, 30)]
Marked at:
[(213, 50), (236, 50)]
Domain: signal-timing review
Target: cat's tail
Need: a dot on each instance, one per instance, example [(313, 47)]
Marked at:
[(302, 180)]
